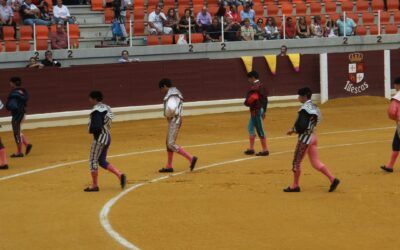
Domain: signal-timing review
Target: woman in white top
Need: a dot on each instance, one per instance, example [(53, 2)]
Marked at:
[(271, 29), (61, 14), (316, 28)]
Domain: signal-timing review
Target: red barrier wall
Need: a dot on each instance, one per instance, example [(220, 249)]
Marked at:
[(66, 89), (342, 70), (394, 64)]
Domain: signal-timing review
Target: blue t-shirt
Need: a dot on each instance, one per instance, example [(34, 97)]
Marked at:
[(350, 25)]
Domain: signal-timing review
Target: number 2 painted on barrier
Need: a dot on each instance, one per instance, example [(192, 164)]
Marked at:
[(345, 40), (379, 39), (70, 54), (36, 55), (223, 46), (190, 48)]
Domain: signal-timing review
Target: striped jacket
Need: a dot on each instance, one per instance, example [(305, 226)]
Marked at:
[(173, 103), (309, 116), (100, 123)]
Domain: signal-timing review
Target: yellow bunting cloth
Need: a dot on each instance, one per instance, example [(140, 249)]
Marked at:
[(295, 60), (248, 62), (271, 62)]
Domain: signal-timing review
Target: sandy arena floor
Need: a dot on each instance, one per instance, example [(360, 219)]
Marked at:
[(233, 205)]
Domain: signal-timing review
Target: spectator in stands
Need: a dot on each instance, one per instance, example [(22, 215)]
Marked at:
[(231, 30), (184, 22), (125, 58), (271, 29), (33, 63), (247, 31), (302, 29), (316, 28), (45, 13), (248, 13), (331, 29), (283, 51), (172, 20), (15, 4), (221, 12), (203, 19), (59, 39), (6, 17), (29, 14), (213, 33), (157, 20), (290, 28), (49, 61), (61, 13), (260, 30), (126, 5), (234, 14), (349, 23)]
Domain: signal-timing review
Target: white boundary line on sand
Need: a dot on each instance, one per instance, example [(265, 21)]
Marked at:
[(107, 207), (7, 177)]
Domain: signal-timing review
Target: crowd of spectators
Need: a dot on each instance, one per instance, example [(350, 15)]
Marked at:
[(244, 26)]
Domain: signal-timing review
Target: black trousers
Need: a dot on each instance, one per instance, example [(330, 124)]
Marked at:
[(16, 121)]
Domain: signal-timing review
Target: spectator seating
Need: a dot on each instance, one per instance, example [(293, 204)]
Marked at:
[(368, 18), (97, 5), (347, 6), (391, 29), (287, 9), (377, 5), (393, 5), (301, 8), (315, 8), (272, 9), (8, 33), (385, 17), (108, 15), (362, 6), (10, 46), (373, 30), (166, 39), (353, 16), (361, 30), (330, 7)]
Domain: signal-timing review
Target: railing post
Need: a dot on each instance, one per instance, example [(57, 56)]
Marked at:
[(130, 31), (222, 30), (379, 22), (284, 26), (69, 42), (323, 68), (344, 24), (34, 37), (190, 31)]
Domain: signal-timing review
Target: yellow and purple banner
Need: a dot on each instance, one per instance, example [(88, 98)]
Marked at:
[(295, 60), (248, 63), (271, 62)]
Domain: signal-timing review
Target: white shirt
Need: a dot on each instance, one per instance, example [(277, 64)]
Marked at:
[(157, 20), (171, 107), (122, 60), (62, 12), (5, 13)]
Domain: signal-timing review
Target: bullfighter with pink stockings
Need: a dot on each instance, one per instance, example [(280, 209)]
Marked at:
[(309, 116)]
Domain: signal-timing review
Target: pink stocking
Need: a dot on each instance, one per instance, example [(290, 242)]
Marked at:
[(252, 138), (264, 144), (94, 178), (170, 158), (3, 156), (24, 140), (314, 159), (185, 154), (114, 170), (393, 159)]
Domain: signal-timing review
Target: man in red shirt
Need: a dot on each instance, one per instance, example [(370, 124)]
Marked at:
[(59, 39), (290, 28)]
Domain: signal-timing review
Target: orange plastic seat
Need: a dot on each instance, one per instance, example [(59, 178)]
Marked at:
[(315, 8), (25, 32), (24, 45), (391, 29), (138, 14), (197, 2), (152, 3), (74, 43), (392, 5), (330, 7), (197, 9), (362, 5), (10, 46), (377, 5), (361, 31), (184, 3), (153, 40), (181, 10), (301, 8), (108, 15), (385, 17), (334, 17), (166, 39), (1, 47), (42, 32), (53, 28), (272, 10), (373, 30), (8, 33), (74, 32), (50, 4), (197, 38), (396, 17), (138, 28), (169, 2), (287, 9), (97, 5), (259, 9), (42, 45), (368, 18), (213, 10), (353, 16), (347, 6)]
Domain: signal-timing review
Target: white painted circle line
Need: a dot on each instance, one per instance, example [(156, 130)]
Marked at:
[(7, 177), (107, 207)]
